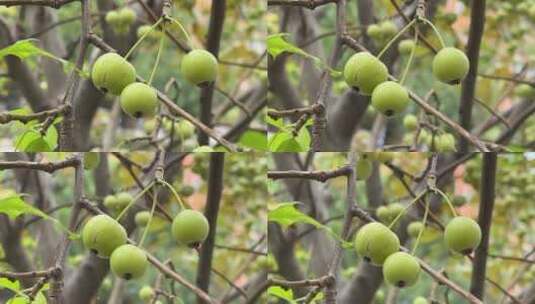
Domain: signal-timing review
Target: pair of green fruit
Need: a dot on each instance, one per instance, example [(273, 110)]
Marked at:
[(388, 213), (380, 246), (111, 73), (382, 31), (367, 74), (121, 20), (105, 237), (117, 202)]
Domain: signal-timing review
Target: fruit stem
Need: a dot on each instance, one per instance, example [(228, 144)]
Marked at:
[(180, 201), (138, 42), (157, 62), (154, 202), (445, 196), (411, 56), (418, 197), (134, 200), (435, 30), (403, 30), (181, 29), (426, 212)]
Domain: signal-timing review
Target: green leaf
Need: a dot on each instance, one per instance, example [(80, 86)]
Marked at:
[(7, 284), (22, 49), (279, 292), (279, 123), (254, 140), (13, 206), (31, 141), (51, 137), (303, 138), (276, 45), (290, 145), (286, 214)]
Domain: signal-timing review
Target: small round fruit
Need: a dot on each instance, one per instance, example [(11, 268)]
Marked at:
[(142, 218), (186, 190), (146, 293), (401, 269), (419, 300), (374, 31), (102, 235), (190, 227), (199, 67), (450, 65), (458, 200), (414, 228), (388, 29), (406, 46), (110, 202), (139, 100), (383, 214), (364, 169), (364, 72), (112, 17), (185, 129), (410, 122), (390, 98), (462, 234), (91, 160), (151, 34), (127, 16), (111, 73), (395, 209), (123, 199), (375, 242), (128, 262), (445, 143), (525, 91)]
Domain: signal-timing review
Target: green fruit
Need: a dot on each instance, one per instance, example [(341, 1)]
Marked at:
[(110, 202), (112, 17), (410, 122), (186, 190), (127, 16), (390, 98), (151, 34), (199, 67), (146, 293), (401, 269), (190, 228), (419, 300), (414, 228), (383, 214), (364, 169), (111, 73), (142, 218), (406, 46), (91, 160), (395, 209), (450, 65), (374, 31), (388, 29), (128, 262), (525, 91), (458, 200), (364, 72), (425, 137), (375, 242), (445, 143), (462, 234), (123, 199), (139, 100), (102, 234), (149, 125), (185, 129)]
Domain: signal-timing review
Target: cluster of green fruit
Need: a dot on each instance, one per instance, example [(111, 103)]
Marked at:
[(444, 142), (149, 32), (368, 75), (107, 238), (382, 32), (364, 163), (118, 202), (112, 74), (121, 20), (377, 244)]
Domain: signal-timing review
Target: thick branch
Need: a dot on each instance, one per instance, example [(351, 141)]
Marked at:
[(321, 176), (488, 180), (49, 167), (310, 4)]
